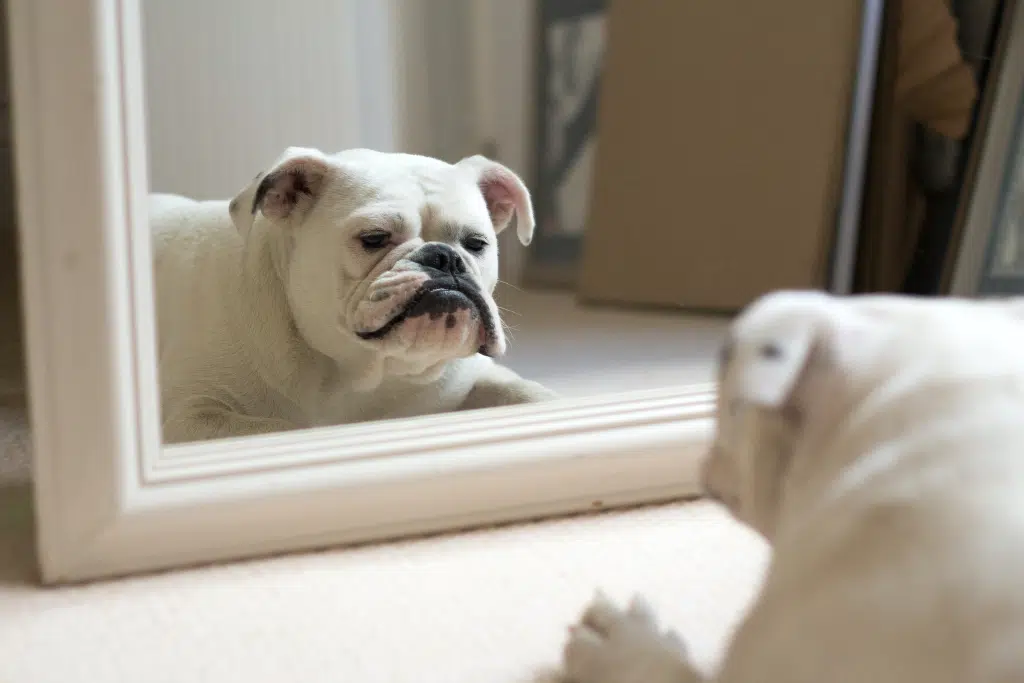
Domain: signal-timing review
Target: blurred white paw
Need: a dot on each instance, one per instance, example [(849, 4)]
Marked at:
[(614, 645)]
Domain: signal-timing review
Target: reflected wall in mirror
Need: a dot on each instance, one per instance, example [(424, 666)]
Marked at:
[(301, 286)]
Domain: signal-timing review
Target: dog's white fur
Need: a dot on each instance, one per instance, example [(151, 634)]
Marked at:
[(878, 444), (262, 301)]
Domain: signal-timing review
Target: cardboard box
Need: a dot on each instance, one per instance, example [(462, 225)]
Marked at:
[(721, 136)]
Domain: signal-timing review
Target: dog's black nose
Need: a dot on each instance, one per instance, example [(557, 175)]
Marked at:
[(440, 257)]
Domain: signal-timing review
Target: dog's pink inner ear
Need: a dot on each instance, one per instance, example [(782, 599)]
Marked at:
[(505, 195), (290, 189), (501, 195)]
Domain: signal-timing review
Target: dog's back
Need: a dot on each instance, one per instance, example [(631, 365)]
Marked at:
[(195, 246)]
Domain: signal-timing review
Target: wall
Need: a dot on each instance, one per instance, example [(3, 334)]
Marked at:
[(231, 83), (228, 89), (510, 79)]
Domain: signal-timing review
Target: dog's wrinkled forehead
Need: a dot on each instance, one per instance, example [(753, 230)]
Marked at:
[(307, 186), (441, 191)]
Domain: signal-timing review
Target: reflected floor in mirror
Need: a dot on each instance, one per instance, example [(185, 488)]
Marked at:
[(582, 350)]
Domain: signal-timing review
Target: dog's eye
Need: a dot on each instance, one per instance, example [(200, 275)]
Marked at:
[(474, 245), (375, 240), (771, 351)]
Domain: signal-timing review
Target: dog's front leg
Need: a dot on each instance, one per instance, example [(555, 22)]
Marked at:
[(499, 386), (202, 421), (613, 645)]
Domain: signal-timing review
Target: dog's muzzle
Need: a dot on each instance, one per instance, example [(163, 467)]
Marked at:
[(449, 289)]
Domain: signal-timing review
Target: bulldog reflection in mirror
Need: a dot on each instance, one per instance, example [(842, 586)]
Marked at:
[(335, 289)]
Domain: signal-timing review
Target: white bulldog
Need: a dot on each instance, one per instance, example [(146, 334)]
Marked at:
[(335, 289), (878, 444)]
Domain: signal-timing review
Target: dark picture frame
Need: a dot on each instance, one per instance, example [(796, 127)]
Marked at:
[(570, 48), (988, 259)]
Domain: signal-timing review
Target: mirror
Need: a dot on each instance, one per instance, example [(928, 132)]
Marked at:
[(299, 285), (373, 210)]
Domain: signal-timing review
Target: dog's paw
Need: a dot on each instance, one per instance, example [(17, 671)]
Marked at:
[(614, 645)]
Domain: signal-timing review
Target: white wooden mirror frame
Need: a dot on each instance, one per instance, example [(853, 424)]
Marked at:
[(111, 500)]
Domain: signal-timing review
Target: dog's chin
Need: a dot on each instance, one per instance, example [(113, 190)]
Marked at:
[(445, 320)]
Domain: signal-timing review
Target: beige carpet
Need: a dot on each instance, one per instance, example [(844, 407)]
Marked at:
[(486, 607)]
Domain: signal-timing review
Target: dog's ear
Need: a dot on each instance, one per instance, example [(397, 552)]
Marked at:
[(504, 193), (770, 346), (285, 192), (766, 369)]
